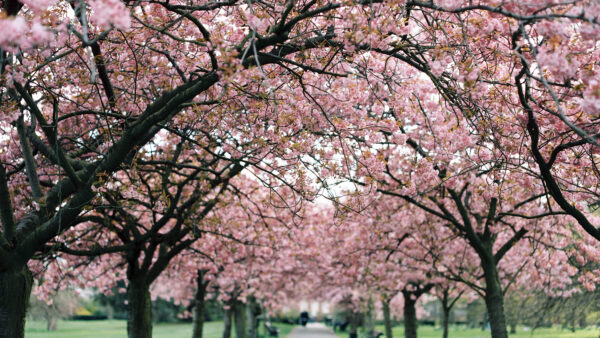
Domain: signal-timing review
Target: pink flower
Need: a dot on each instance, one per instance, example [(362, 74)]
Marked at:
[(591, 98), (437, 68), (472, 76), (558, 62), (13, 31), (110, 13), (38, 5), (39, 34)]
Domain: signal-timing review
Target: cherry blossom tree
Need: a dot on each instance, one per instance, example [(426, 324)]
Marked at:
[(473, 111), (556, 84), (469, 172), (87, 85)]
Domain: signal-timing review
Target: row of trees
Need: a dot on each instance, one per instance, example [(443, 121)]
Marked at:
[(177, 144)]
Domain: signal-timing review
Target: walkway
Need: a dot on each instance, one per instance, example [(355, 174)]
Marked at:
[(312, 330)]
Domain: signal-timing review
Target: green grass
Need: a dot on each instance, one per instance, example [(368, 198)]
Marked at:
[(118, 329), (456, 332), (284, 329)]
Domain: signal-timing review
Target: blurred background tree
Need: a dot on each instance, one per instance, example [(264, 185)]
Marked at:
[(60, 306)]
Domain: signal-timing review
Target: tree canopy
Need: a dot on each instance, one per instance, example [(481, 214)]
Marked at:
[(259, 148)]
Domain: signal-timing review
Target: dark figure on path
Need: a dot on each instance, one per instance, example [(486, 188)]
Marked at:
[(303, 318)]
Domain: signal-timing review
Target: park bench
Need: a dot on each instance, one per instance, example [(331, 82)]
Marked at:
[(272, 330), (377, 334)]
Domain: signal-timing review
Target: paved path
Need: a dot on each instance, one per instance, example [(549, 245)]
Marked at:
[(312, 330)]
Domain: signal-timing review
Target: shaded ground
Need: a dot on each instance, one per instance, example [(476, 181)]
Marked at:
[(312, 330)]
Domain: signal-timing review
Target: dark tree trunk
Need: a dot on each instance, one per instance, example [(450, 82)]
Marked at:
[(353, 325), (239, 316), (582, 319), (387, 319), (252, 311), (411, 295), (139, 309), (445, 319), (369, 319), (199, 305), (15, 289), (410, 316), (227, 322), (513, 328), (446, 307), (494, 300)]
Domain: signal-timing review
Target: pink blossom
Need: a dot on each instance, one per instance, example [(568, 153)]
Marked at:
[(110, 13), (39, 34), (13, 31), (38, 5), (558, 62), (437, 68), (591, 98)]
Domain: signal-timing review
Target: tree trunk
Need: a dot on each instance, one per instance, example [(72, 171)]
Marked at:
[(227, 321), (572, 321), (252, 310), (582, 319), (239, 316), (387, 319), (139, 309), (445, 312), (445, 319), (15, 289), (410, 316), (353, 325), (494, 300), (199, 306), (513, 328), (51, 322), (110, 312), (369, 320)]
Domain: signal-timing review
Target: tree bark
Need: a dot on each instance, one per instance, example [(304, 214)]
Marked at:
[(387, 319), (139, 309), (15, 289), (582, 319), (227, 322), (494, 300), (51, 322), (239, 316), (353, 325), (572, 322), (445, 313), (252, 310), (445, 319), (369, 320), (410, 316), (199, 306)]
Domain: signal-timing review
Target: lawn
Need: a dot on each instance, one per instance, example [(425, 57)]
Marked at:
[(118, 329), (455, 332)]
